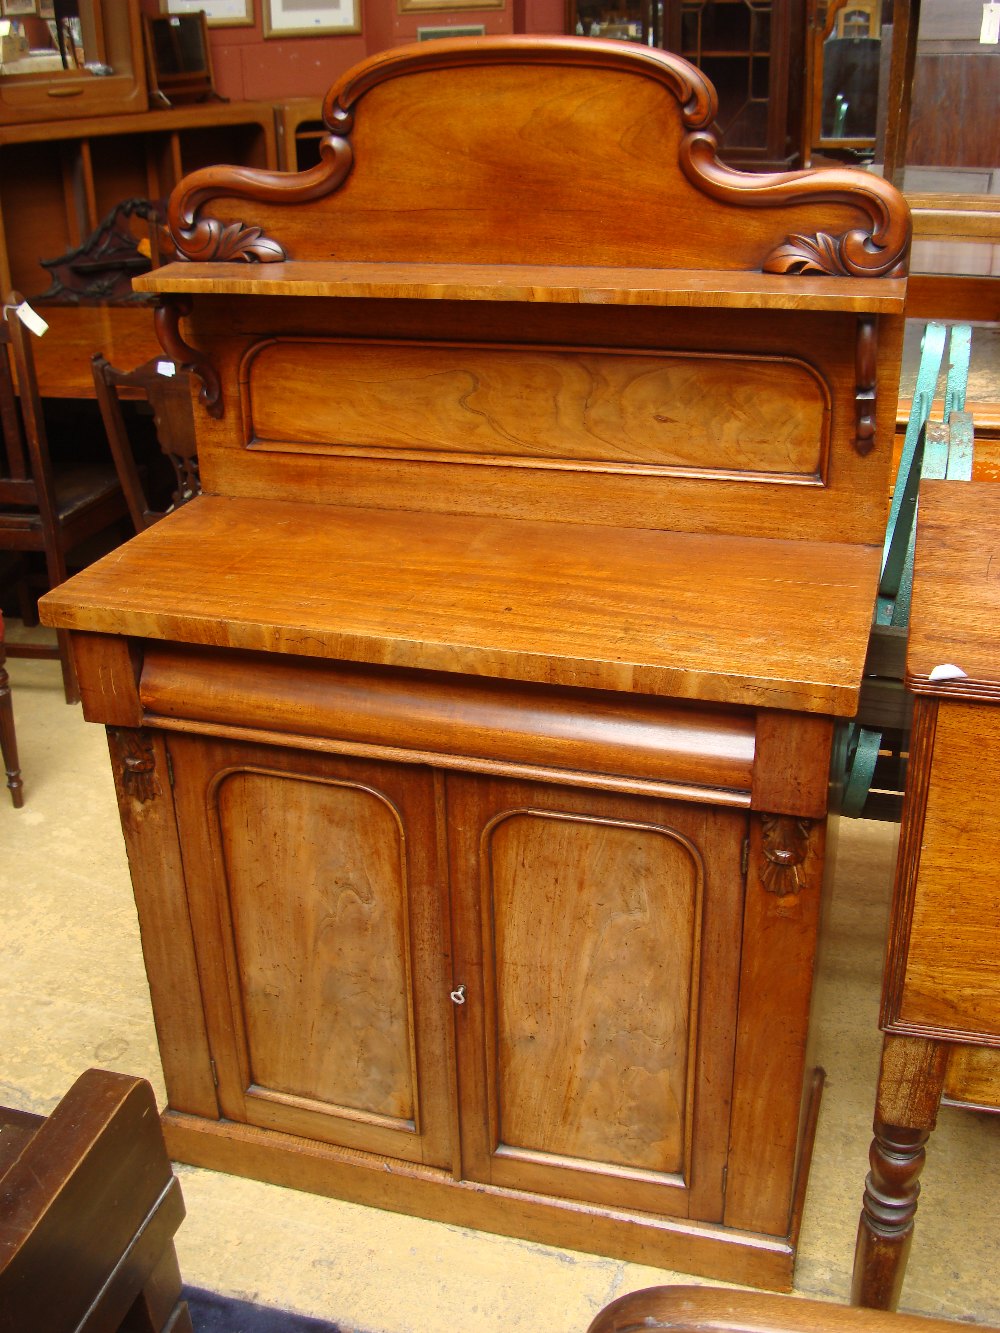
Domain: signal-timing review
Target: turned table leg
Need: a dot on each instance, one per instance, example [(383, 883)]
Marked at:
[(909, 1090)]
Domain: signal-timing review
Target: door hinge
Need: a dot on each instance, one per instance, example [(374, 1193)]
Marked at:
[(215, 1073), (745, 857)]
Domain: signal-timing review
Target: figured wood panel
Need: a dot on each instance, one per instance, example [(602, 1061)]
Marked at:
[(951, 974), (595, 930), (316, 877), (532, 405), (849, 506), (595, 935), (317, 905)]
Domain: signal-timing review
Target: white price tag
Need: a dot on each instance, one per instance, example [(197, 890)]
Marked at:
[(31, 319), (947, 671), (989, 33), (166, 368)]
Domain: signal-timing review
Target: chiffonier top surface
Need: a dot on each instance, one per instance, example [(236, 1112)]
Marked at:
[(726, 619), (955, 614)]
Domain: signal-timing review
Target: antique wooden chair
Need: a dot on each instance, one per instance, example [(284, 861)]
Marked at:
[(685, 1309), (8, 738), (91, 1208), (44, 508), (167, 390)]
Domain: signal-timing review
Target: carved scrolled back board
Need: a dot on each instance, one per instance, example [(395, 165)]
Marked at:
[(472, 729)]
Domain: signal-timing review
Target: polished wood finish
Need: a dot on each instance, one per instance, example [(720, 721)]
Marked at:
[(91, 1208), (472, 729), (619, 607), (940, 1000), (709, 1310)]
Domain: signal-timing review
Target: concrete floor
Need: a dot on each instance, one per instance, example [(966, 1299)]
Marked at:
[(73, 994)]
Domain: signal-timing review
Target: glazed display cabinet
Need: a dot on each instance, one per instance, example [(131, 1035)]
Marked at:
[(752, 50)]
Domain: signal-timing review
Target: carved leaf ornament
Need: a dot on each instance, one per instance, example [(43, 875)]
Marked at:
[(875, 250)]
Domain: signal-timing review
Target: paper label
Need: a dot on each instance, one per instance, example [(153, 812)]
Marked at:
[(989, 33), (31, 319), (166, 368), (947, 671)]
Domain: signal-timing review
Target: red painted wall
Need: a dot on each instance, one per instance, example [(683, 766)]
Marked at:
[(248, 67)]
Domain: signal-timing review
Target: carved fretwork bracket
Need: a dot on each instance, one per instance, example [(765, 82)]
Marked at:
[(866, 355), (167, 319), (138, 773), (786, 845)]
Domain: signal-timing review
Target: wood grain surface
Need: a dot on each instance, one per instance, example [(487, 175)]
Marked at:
[(951, 974), (585, 283), (565, 604), (956, 590), (741, 415)]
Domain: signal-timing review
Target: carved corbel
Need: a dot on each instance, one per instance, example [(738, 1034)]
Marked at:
[(167, 318), (866, 355), (138, 771), (786, 846)]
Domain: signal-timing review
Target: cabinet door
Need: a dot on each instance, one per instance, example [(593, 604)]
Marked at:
[(598, 941), (318, 915)]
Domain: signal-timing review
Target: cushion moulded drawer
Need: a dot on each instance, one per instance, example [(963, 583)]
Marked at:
[(434, 715)]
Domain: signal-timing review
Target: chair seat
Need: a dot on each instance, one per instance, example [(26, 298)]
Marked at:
[(78, 490)]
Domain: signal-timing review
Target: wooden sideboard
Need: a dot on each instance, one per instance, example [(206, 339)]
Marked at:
[(472, 730), (941, 989)]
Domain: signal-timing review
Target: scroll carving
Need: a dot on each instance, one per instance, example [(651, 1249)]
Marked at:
[(864, 396), (166, 320), (786, 846), (206, 239), (876, 247), (138, 773), (878, 252)]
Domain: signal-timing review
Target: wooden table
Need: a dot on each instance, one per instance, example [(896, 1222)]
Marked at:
[(472, 731), (941, 989), (124, 334)]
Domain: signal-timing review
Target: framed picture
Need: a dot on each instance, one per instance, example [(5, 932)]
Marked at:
[(12, 8), (306, 18), (465, 30), (422, 6), (218, 13)]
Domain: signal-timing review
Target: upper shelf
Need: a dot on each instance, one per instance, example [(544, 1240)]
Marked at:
[(532, 283)]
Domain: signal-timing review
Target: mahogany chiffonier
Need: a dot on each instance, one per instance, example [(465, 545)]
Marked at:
[(472, 730), (941, 983)]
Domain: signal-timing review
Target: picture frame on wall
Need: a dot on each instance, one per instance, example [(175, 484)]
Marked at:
[(15, 8), (425, 6), (461, 30), (218, 13), (308, 18)]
